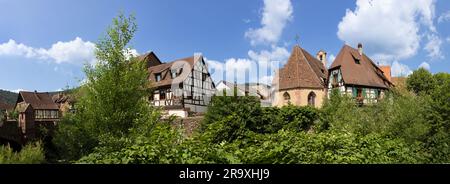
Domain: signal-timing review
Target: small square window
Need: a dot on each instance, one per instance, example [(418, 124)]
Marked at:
[(158, 77)]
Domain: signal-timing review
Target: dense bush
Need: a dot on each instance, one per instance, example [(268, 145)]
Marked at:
[(29, 154), (110, 127)]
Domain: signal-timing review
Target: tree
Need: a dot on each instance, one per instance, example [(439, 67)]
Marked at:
[(421, 81), (114, 95)]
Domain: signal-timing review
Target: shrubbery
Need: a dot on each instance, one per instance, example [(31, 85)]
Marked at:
[(404, 127), (30, 154)]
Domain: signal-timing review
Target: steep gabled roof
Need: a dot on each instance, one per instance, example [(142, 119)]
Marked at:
[(359, 69), (302, 71), (63, 98), (150, 58), (37, 100), (164, 70), (22, 107)]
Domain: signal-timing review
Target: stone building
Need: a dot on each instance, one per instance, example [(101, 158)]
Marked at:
[(302, 81)]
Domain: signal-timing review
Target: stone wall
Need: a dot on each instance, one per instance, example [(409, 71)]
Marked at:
[(299, 97), (189, 124)]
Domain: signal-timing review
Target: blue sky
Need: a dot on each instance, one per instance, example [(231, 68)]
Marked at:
[(44, 44)]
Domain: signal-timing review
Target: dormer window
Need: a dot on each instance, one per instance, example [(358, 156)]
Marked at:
[(158, 77), (357, 61), (173, 73)]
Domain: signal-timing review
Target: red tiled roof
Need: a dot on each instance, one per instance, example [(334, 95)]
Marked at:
[(302, 71), (365, 73)]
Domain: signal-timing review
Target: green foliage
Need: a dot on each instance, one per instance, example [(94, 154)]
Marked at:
[(8, 97), (223, 106), (13, 114), (30, 154), (298, 118), (114, 124), (116, 87), (113, 99), (421, 81), (287, 147)]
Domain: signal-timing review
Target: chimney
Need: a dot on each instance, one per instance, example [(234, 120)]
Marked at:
[(360, 49), (322, 56)]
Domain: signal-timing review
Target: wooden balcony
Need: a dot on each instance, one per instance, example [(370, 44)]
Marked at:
[(168, 102)]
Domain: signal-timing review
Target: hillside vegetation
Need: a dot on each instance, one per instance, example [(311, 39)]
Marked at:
[(8, 97)]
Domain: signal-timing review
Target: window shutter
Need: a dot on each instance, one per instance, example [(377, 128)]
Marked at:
[(364, 92), (355, 93)]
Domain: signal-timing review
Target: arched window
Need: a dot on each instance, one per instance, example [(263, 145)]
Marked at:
[(312, 99), (286, 96)]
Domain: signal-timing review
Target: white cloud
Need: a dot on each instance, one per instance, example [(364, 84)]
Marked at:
[(276, 13), (130, 53), (444, 17), (258, 67), (14, 49), (390, 30), (448, 39), (276, 54), (424, 65), (16, 90), (76, 51), (433, 47), (400, 70), (246, 21)]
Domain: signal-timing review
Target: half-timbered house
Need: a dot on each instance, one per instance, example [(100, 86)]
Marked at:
[(181, 86), (355, 74)]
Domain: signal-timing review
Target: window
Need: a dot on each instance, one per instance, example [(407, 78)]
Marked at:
[(204, 76), (162, 95), (335, 79), (359, 93), (158, 77), (312, 99), (357, 61), (286, 96), (173, 73), (46, 114)]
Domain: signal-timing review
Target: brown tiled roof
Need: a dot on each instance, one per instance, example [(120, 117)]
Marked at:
[(63, 98), (301, 71), (150, 58), (365, 73), (37, 100), (164, 70)]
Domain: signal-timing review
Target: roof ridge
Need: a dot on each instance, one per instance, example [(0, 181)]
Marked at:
[(310, 67)]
